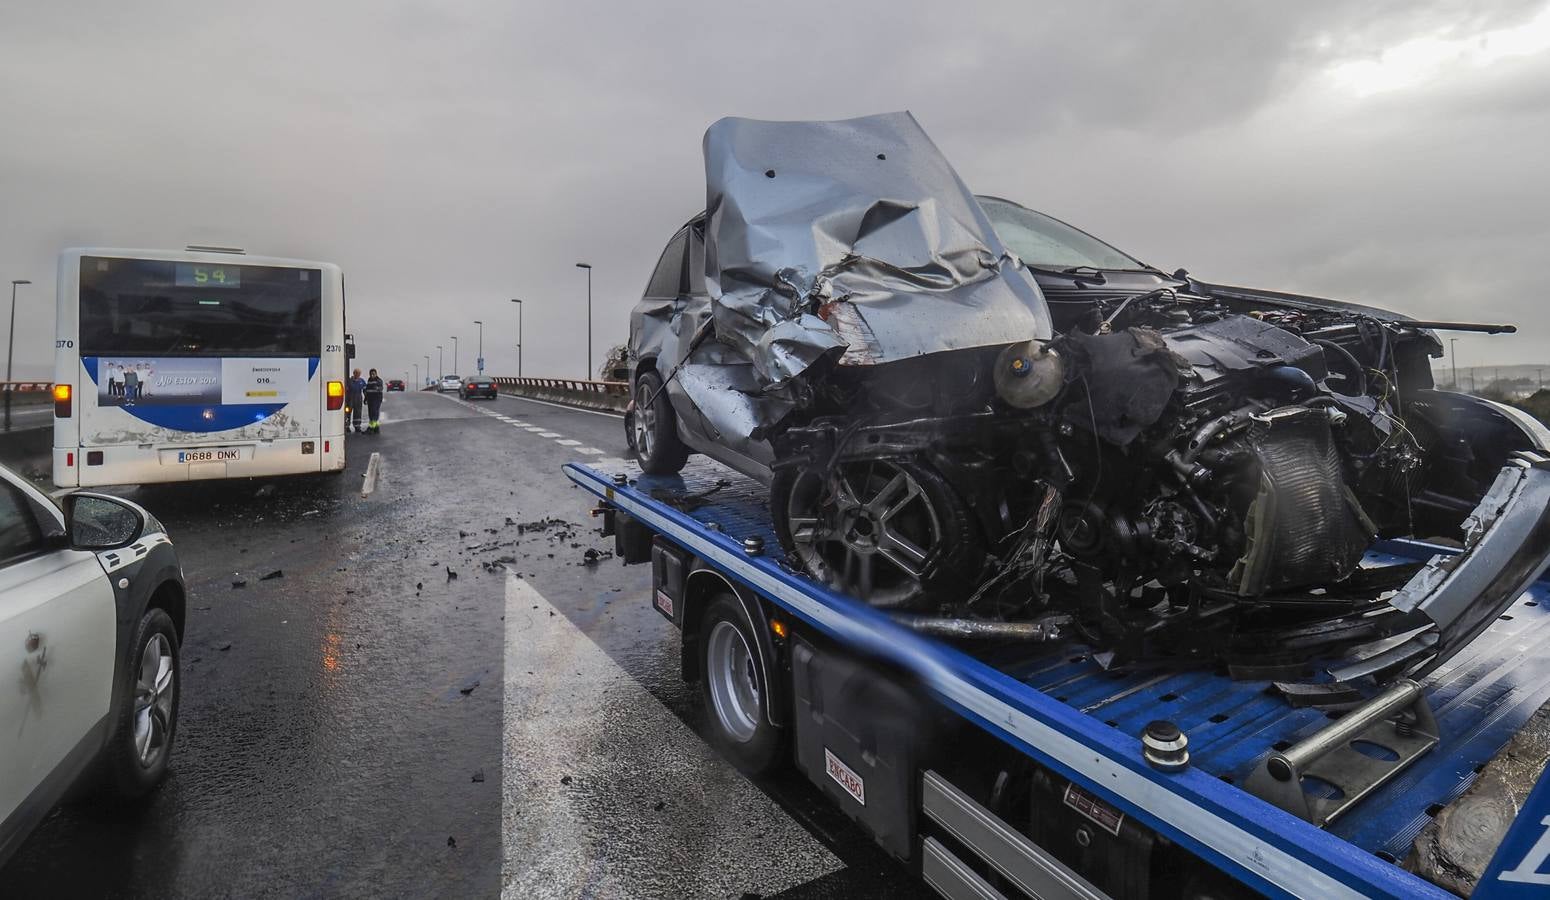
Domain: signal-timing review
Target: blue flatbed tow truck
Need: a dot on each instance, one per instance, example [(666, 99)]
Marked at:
[(1028, 769)]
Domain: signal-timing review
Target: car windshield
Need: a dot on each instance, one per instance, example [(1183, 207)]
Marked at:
[(1049, 243)]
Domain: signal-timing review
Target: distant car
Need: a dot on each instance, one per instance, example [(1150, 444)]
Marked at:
[(396, 384), (449, 383), (479, 387), (91, 619)]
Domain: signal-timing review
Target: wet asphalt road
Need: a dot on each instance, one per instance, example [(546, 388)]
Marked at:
[(436, 697)]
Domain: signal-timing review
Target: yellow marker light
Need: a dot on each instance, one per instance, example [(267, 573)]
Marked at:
[(62, 401), (61, 392), (335, 395), (778, 627)]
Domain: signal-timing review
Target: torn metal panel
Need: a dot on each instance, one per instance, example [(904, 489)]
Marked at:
[(724, 397), (866, 213)]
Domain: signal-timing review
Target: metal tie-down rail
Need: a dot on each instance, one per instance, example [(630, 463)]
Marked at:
[(1354, 756)]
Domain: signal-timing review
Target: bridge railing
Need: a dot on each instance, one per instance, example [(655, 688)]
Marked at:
[(611, 396)]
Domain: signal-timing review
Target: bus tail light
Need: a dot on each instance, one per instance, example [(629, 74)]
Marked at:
[(335, 395), (61, 401)]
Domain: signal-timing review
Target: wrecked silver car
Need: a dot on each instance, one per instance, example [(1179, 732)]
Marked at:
[(995, 425)]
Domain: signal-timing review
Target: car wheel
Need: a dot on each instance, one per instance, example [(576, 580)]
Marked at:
[(891, 532), (736, 689), (657, 444), (146, 721)]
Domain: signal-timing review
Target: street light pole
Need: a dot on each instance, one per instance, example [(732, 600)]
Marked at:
[(427, 369), (10, 345), (441, 363), (1453, 348), (480, 358), (416, 376), (518, 336), (454, 355), (588, 267)]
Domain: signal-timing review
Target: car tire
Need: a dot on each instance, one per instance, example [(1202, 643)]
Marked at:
[(657, 444), (147, 710), (943, 528), (736, 691)]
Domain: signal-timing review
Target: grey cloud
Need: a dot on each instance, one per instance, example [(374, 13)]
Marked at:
[(451, 156)]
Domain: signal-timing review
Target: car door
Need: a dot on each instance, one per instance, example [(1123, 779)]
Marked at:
[(57, 639)]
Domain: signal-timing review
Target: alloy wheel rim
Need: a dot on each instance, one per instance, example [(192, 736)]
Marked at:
[(868, 528), (155, 684)]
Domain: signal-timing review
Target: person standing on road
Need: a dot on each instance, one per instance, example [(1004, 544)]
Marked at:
[(354, 389), (373, 393)]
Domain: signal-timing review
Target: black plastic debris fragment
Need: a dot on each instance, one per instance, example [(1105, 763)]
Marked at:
[(451, 574), (468, 688), (419, 586), (451, 842), (659, 805), (239, 583), (277, 573), (478, 776), (590, 557), (566, 780), (224, 647), (510, 521)]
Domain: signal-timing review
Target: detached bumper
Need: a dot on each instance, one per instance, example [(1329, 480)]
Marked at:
[(1456, 596)]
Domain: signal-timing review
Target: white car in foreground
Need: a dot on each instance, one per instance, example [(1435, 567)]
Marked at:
[(449, 384), (91, 618)]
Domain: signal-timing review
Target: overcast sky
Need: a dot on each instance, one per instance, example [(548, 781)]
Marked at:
[(450, 156)]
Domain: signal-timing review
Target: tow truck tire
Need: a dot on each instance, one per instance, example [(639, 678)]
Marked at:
[(146, 721), (657, 444), (736, 689)]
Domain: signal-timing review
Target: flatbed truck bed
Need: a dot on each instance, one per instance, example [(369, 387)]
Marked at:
[(1077, 723)]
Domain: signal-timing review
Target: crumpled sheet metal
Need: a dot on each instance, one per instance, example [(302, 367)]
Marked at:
[(863, 213)]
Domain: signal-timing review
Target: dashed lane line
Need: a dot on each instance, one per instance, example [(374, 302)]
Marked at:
[(541, 432), (595, 412)]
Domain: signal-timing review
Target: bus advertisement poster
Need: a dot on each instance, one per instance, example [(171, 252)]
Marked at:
[(282, 380), (158, 381), (200, 381)]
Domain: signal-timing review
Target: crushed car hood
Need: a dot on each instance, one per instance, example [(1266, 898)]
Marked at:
[(852, 242)]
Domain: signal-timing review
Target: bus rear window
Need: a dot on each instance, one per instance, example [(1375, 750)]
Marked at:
[(163, 308)]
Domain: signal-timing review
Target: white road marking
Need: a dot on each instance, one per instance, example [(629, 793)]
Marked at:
[(518, 422), (373, 469), (595, 412), (548, 434), (567, 442), (590, 451), (534, 428), (589, 755)]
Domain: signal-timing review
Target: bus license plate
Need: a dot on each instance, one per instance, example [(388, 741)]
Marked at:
[(203, 455)]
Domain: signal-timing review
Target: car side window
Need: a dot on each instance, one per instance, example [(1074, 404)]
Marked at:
[(667, 279), (696, 271), (19, 532)]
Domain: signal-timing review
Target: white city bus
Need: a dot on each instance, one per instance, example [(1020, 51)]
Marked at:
[(207, 363)]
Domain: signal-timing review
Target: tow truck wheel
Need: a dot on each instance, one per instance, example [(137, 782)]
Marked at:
[(736, 689), (657, 445)]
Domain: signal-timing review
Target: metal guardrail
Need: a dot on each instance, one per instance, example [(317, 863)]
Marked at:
[(612, 396), (26, 387)]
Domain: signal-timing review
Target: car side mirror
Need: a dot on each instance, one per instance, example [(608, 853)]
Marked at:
[(101, 522)]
